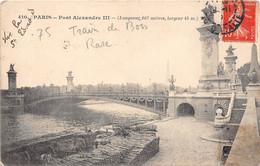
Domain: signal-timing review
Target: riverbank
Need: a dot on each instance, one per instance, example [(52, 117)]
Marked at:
[(44, 125), (59, 116), (127, 145), (134, 149)]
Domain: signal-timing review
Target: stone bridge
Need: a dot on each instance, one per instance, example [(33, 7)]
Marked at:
[(153, 103)]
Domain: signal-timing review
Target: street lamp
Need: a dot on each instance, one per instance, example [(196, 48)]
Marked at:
[(150, 85)]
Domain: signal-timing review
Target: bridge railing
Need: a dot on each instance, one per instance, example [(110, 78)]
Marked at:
[(151, 102), (106, 95)]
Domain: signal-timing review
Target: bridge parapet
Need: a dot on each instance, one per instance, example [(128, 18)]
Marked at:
[(246, 147)]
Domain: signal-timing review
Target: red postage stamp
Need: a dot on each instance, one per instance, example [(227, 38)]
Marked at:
[(239, 21)]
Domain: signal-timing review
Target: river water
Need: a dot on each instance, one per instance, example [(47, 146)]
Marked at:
[(71, 117)]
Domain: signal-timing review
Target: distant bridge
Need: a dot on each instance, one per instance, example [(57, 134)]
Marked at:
[(153, 103)]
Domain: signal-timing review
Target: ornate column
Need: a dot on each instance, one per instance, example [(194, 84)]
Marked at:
[(230, 70), (209, 36), (12, 78), (253, 88), (209, 51), (70, 82), (171, 111)]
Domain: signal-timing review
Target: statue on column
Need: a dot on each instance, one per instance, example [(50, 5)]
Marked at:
[(12, 67), (208, 19), (220, 70), (172, 80), (230, 50), (70, 74), (209, 12)]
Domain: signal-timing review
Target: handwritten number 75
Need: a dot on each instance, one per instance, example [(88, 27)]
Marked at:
[(42, 33)]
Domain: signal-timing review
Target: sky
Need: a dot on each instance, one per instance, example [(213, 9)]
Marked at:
[(138, 56)]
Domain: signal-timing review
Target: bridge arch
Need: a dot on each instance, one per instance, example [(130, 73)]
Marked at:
[(185, 109)]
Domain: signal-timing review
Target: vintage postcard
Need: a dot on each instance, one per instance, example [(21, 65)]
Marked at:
[(151, 83)]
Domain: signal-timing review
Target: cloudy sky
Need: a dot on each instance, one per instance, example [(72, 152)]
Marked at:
[(132, 56)]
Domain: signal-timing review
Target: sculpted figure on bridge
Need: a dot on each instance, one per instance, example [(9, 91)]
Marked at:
[(70, 74), (12, 67), (209, 12), (220, 69), (230, 50)]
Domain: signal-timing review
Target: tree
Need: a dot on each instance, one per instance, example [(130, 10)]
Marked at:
[(122, 89), (242, 75)]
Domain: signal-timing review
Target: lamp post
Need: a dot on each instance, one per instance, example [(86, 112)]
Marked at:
[(154, 88), (150, 85), (172, 80)]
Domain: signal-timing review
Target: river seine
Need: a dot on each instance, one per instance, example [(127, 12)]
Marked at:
[(69, 117)]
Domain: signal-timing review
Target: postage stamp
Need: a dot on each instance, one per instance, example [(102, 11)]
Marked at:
[(239, 21)]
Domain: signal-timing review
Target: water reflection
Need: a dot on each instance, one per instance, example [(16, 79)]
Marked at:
[(25, 126)]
